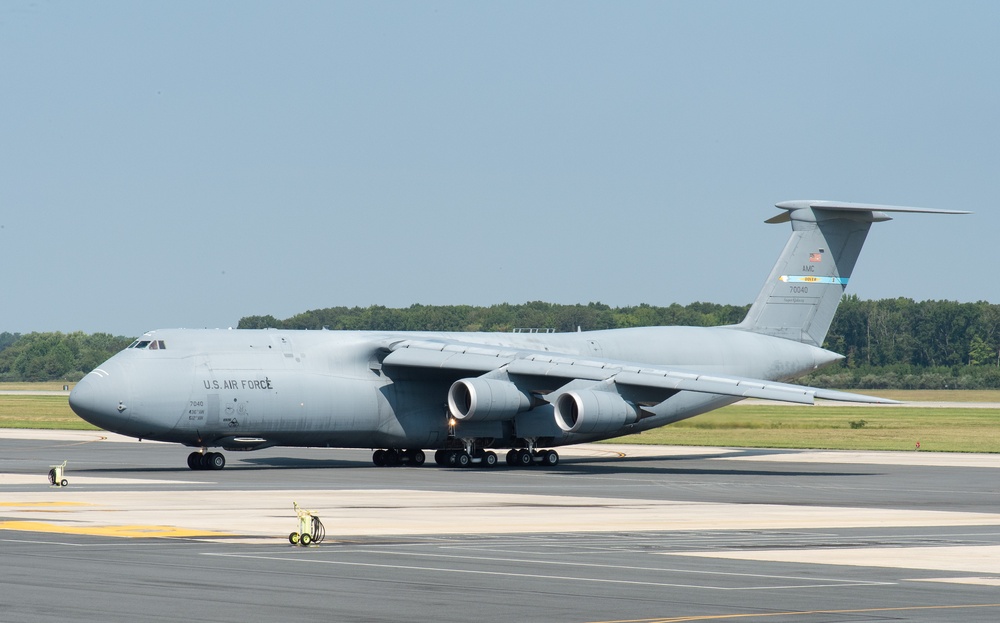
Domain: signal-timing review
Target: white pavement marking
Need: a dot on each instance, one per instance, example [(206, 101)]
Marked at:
[(589, 565), (995, 581), (43, 479), (984, 559), (66, 435), (848, 457), (541, 576)]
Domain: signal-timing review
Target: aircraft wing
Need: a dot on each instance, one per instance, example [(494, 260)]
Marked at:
[(547, 371)]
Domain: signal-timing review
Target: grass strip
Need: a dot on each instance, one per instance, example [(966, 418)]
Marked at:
[(951, 429), (52, 412), (942, 429)]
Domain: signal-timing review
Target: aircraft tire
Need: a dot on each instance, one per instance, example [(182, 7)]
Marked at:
[(512, 457), (194, 460), (216, 460), (524, 458), (463, 459), (489, 459), (293, 538), (439, 457), (417, 457), (378, 458), (550, 458)]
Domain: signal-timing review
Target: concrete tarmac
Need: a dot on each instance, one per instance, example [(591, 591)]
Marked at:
[(613, 533)]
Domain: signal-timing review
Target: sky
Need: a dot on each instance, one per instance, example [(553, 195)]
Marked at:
[(186, 164)]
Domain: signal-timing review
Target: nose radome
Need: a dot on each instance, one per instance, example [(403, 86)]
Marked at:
[(101, 397)]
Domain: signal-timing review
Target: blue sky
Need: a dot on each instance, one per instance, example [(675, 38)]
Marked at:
[(186, 164)]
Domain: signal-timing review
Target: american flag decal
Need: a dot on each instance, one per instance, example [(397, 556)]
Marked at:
[(815, 257)]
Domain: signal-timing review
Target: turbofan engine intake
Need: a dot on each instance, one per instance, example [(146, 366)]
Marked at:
[(484, 400), (586, 411)]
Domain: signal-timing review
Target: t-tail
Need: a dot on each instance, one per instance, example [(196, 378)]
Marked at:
[(802, 292)]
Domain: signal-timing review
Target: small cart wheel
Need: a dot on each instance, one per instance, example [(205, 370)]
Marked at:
[(306, 539), (293, 538), (63, 482)]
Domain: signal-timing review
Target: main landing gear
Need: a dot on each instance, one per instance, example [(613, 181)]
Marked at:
[(468, 456), (472, 455), (394, 457), (461, 458), (206, 460), (525, 458)]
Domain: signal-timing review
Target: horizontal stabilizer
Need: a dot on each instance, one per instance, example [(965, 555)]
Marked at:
[(846, 206)]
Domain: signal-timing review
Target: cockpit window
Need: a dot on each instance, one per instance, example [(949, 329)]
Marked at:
[(149, 344)]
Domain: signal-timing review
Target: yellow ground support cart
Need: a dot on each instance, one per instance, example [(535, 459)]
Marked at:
[(311, 529), (57, 475)]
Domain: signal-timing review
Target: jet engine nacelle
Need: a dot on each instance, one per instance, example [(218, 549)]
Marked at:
[(482, 400), (586, 411)]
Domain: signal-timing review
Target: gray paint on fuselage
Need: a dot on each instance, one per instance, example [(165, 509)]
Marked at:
[(319, 388)]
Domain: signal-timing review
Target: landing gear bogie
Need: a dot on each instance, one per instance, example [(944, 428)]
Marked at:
[(394, 457), (461, 458), (206, 460), (524, 457)]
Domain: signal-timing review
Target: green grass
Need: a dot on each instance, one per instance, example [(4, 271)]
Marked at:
[(840, 428), (49, 386), (746, 425), (39, 412)]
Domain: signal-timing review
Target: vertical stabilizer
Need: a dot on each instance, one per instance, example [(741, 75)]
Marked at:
[(802, 292)]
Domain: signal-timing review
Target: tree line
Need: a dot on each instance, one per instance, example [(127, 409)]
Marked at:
[(55, 356), (898, 343), (503, 318)]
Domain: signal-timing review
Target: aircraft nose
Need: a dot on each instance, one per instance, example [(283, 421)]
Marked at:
[(101, 397)]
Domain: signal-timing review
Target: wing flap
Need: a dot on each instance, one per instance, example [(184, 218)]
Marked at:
[(726, 386)]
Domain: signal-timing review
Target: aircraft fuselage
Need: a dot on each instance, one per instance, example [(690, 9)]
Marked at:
[(247, 389)]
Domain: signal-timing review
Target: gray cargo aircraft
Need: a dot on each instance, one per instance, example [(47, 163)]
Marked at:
[(467, 394)]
